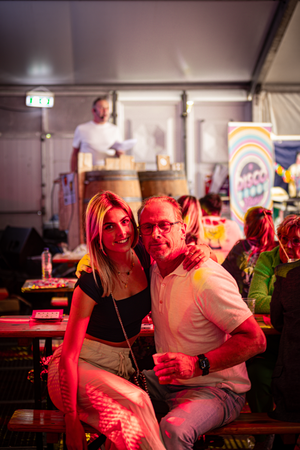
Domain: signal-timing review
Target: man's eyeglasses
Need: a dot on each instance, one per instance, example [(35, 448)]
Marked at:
[(164, 227), (295, 241)]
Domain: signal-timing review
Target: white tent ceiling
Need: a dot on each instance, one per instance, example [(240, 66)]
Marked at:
[(203, 43)]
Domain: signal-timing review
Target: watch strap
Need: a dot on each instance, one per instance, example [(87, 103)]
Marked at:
[(203, 364)]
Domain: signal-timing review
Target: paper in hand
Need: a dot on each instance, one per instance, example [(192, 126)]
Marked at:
[(125, 145)]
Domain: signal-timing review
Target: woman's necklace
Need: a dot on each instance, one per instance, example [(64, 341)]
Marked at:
[(127, 273)]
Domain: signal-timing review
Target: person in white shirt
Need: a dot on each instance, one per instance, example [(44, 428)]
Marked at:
[(219, 233), (203, 333), (96, 136)]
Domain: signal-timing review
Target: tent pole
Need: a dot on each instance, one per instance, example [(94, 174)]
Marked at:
[(184, 116)]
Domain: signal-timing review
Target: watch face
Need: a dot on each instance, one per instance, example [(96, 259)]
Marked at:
[(204, 364)]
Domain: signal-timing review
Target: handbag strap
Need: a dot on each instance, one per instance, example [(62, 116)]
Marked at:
[(125, 334)]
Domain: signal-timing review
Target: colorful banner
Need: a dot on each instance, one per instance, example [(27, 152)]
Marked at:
[(251, 167)]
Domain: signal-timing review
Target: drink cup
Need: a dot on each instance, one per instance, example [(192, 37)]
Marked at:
[(250, 302), (156, 356), (155, 359)]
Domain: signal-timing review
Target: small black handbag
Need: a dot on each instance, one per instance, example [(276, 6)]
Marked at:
[(139, 379)]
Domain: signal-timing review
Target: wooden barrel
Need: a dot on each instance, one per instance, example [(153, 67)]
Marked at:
[(124, 183), (167, 182)]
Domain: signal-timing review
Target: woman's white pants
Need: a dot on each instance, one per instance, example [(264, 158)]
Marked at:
[(107, 401)]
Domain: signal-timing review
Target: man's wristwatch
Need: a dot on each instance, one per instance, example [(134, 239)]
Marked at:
[(203, 364)]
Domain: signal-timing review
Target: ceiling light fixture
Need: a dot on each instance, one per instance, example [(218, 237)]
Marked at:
[(189, 105)]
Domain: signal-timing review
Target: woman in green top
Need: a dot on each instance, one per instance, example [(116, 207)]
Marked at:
[(241, 260), (262, 284), (260, 368)]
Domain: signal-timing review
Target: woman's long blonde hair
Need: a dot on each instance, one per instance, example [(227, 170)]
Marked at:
[(191, 214), (97, 207)]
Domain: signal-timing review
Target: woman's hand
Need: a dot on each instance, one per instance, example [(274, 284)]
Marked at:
[(84, 265), (195, 255), (75, 435)]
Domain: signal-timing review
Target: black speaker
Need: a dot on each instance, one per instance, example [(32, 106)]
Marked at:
[(17, 244)]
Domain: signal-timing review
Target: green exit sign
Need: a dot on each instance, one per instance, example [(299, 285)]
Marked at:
[(40, 99)]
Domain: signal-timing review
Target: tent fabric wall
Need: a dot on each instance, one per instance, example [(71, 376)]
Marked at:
[(31, 164), (281, 109)]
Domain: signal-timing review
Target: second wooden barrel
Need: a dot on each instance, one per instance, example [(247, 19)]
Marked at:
[(124, 183), (167, 182)]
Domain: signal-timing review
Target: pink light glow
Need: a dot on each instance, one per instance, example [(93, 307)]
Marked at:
[(176, 420), (64, 389), (115, 421), (167, 434)]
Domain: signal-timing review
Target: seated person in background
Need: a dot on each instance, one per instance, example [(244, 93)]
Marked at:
[(241, 259), (191, 215), (203, 331), (219, 233), (260, 369), (262, 284), (285, 317)]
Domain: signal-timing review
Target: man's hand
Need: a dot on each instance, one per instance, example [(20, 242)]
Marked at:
[(195, 256), (170, 366), (84, 265)]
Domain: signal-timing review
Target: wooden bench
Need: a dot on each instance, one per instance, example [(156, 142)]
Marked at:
[(52, 423), (257, 423)]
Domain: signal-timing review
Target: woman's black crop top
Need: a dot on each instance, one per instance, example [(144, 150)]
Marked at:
[(104, 323)]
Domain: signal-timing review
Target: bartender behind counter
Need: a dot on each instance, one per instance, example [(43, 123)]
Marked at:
[(96, 136)]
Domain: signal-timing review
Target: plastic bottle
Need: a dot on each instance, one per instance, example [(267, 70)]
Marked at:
[(46, 264)]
